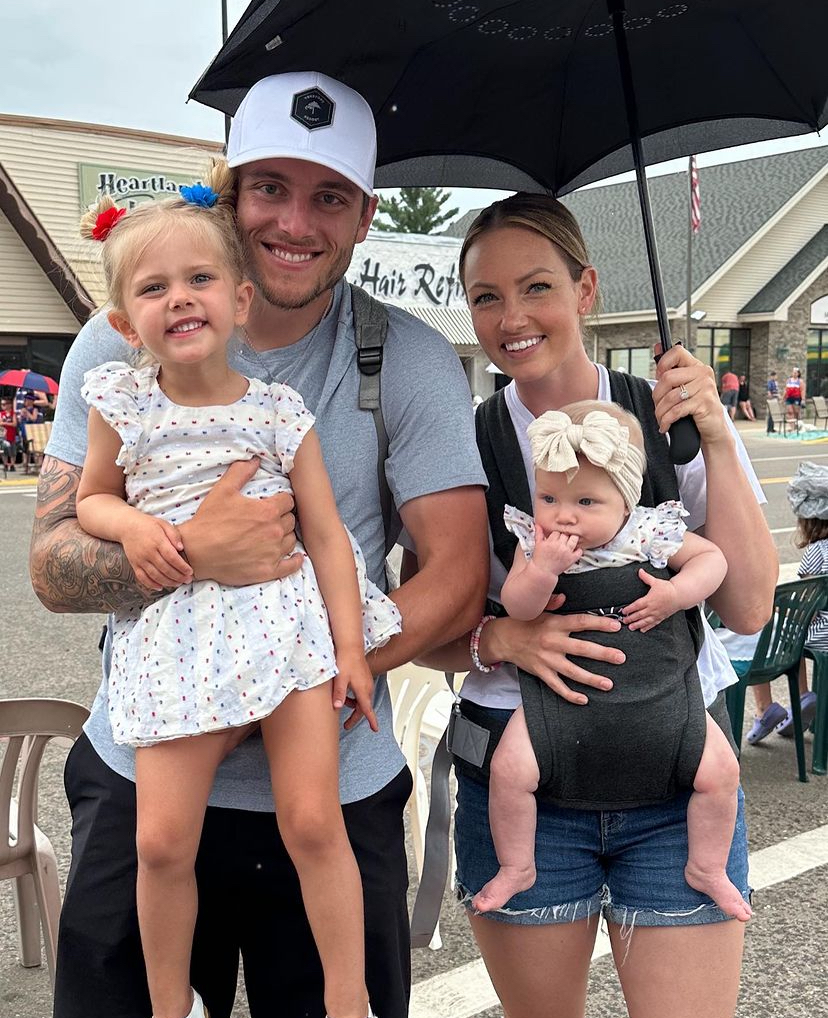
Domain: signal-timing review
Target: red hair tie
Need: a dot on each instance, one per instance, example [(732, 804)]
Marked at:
[(105, 221)]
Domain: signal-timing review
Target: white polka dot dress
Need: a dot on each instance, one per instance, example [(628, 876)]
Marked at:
[(651, 534), (206, 657)]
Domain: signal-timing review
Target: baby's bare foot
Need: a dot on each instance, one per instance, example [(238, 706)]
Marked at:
[(508, 881), (717, 886)]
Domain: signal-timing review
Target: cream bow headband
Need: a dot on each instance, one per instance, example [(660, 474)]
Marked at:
[(601, 439)]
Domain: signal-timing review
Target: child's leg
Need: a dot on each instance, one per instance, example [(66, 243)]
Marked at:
[(513, 815), (302, 742), (761, 697), (711, 818), (173, 782)]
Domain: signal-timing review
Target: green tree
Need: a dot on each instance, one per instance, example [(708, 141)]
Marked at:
[(417, 210)]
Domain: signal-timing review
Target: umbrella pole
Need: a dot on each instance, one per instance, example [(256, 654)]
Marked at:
[(618, 13), (684, 435)]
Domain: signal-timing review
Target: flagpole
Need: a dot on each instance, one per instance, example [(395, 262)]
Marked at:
[(689, 248)]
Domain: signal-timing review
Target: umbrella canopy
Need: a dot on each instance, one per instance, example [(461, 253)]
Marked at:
[(527, 95), (22, 378)]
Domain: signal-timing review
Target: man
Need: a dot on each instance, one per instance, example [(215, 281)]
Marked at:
[(773, 393), (730, 392), (303, 147)]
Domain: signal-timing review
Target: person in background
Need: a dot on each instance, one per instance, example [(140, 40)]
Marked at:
[(773, 393), (730, 392), (794, 395), (808, 495), (744, 399), (8, 437), (28, 414)]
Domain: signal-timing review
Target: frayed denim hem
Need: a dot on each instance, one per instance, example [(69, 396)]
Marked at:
[(548, 915)]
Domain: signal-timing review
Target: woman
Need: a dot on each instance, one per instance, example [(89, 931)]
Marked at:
[(794, 395), (529, 286), (744, 399)]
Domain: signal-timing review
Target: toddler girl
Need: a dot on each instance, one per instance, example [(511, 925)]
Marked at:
[(205, 659), (808, 496), (589, 464)]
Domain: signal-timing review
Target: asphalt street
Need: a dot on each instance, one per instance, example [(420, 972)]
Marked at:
[(785, 972)]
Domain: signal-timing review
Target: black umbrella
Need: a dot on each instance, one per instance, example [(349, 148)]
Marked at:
[(545, 95)]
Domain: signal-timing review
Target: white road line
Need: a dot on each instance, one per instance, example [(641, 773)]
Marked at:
[(783, 530), (791, 455), (467, 990)]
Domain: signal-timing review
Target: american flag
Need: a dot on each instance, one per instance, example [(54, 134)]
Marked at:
[(695, 197)]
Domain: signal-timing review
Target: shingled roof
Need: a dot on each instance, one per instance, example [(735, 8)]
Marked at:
[(737, 199), (790, 276)]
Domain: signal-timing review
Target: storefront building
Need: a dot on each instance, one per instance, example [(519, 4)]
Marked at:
[(760, 260)]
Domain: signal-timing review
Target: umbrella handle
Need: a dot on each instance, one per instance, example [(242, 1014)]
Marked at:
[(685, 440)]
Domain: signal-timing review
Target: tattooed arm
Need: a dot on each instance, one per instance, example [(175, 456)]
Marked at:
[(232, 539), (71, 571)]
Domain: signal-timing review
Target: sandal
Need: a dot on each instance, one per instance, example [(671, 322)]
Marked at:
[(762, 727), (808, 705)]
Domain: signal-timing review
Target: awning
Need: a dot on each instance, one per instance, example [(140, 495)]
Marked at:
[(454, 323)]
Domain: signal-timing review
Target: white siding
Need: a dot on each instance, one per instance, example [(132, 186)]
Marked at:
[(29, 303), (42, 159), (764, 259)]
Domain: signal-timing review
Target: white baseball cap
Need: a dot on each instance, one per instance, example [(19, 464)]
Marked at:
[(306, 115)]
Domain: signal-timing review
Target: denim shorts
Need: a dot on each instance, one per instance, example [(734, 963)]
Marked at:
[(627, 865)]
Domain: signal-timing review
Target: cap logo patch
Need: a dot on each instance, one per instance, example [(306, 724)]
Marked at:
[(313, 109)]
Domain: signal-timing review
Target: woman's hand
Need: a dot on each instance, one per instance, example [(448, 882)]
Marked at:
[(678, 371), (542, 645), (354, 673)]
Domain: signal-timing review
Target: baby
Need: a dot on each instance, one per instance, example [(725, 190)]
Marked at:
[(589, 464)]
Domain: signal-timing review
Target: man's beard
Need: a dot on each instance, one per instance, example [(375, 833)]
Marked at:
[(297, 301)]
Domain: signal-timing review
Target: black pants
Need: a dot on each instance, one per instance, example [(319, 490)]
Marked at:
[(249, 903)]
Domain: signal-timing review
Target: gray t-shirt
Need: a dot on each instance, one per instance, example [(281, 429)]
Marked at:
[(428, 416)]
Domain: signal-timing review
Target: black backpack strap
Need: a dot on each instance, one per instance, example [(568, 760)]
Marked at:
[(370, 331), (503, 463)]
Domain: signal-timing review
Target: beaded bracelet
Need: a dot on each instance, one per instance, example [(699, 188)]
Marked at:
[(474, 646)]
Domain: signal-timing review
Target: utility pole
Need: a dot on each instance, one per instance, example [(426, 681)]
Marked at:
[(223, 41)]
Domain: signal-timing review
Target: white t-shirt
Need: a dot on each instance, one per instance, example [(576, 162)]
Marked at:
[(500, 688)]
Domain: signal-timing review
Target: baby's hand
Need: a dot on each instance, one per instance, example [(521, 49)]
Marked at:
[(555, 552), (658, 604), (354, 672), (152, 547)]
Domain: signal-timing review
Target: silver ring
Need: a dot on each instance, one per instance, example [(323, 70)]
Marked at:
[(683, 392)]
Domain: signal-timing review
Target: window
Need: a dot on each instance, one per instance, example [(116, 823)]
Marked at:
[(724, 350), (633, 360), (816, 374)]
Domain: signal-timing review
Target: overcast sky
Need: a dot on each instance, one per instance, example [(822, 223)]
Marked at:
[(131, 63)]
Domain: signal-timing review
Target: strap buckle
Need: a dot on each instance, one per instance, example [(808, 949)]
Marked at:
[(369, 359)]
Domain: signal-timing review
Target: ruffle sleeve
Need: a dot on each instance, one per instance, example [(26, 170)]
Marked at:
[(666, 532), (522, 526), (121, 393), (292, 422)]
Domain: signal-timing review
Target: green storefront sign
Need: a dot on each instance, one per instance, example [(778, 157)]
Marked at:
[(126, 186)]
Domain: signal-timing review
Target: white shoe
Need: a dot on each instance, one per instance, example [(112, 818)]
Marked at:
[(198, 1010)]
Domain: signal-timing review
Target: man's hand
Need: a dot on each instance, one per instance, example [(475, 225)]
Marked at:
[(354, 673), (152, 546), (658, 604), (237, 540)]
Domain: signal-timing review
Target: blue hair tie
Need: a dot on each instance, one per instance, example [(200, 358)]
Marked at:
[(199, 194)]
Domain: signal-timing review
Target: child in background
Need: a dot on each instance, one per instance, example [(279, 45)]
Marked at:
[(589, 463), (204, 659), (808, 496)]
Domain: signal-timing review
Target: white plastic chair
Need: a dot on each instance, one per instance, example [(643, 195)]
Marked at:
[(26, 854), (422, 703)]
